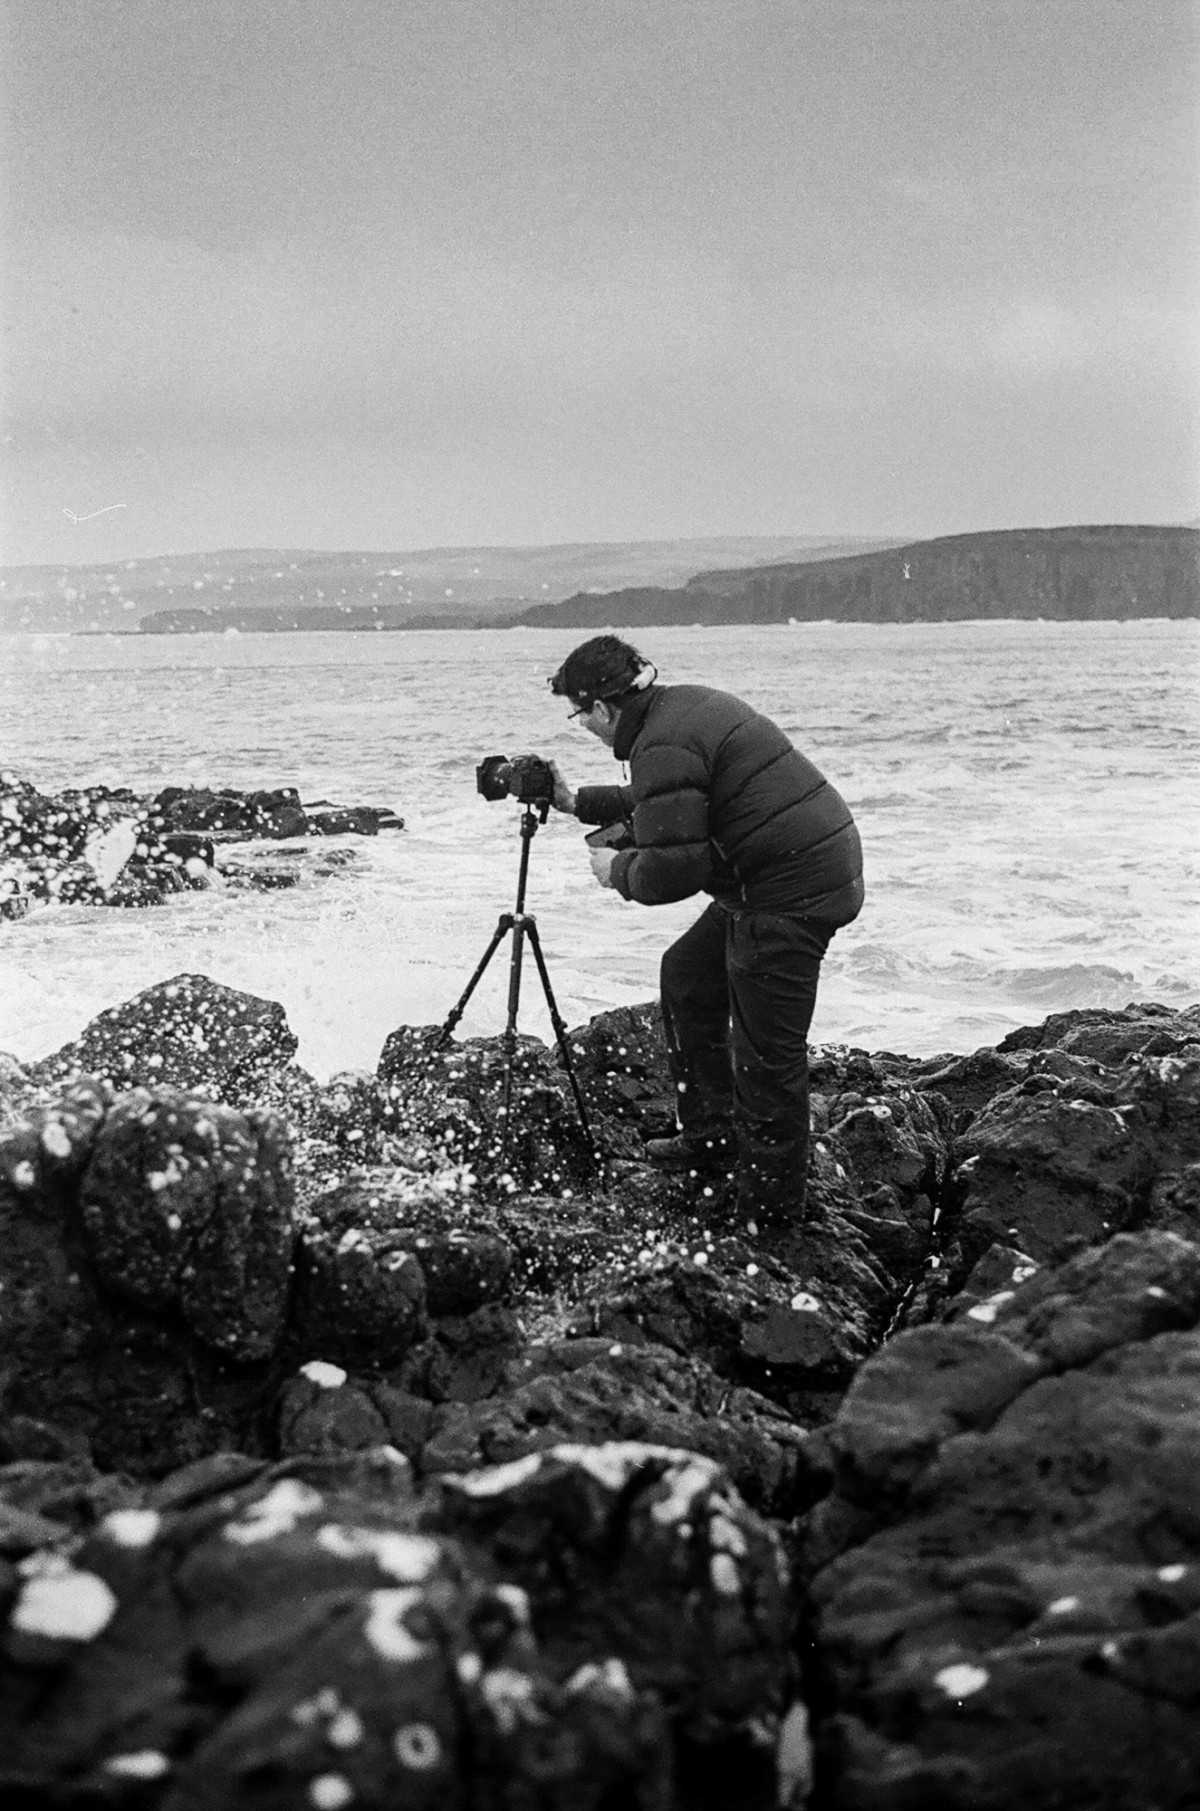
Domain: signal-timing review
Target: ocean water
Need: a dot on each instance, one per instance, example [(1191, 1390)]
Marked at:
[(1027, 795)]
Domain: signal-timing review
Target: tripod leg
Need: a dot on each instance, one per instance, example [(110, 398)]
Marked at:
[(510, 1029), (456, 1012), (560, 1033)]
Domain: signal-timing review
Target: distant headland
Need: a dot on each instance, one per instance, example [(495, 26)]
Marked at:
[(1071, 574)]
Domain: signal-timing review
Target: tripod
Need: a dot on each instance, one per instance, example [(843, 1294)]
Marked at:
[(523, 925)]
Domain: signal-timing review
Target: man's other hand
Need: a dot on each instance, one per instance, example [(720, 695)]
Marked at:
[(602, 861), (562, 799)]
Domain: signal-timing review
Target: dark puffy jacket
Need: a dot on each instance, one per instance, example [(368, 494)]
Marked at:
[(722, 802)]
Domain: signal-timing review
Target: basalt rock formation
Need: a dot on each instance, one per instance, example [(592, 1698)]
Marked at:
[(354, 1453)]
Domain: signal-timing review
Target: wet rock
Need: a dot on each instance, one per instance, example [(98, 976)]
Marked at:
[(463, 1257), (291, 1642), (144, 1248), (620, 1061), (970, 1082), (592, 1391), (1046, 1169), (360, 1294), (275, 814), (1012, 1528), (1109, 1035), (187, 1206), (320, 1411), (450, 1101), (189, 1033)]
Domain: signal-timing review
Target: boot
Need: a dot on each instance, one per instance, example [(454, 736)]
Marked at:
[(693, 1155)]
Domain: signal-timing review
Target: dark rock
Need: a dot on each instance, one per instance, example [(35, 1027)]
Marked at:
[(970, 1082), (360, 1292), (620, 1061), (248, 814), (449, 1100), (462, 1255), (1004, 1578), (1045, 1169), (188, 1032), (132, 1310), (1108, 1034), (187, 1206), (321, 1412), (291, 1643)]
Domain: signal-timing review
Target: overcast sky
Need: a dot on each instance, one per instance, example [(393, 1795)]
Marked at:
[(396, 273)]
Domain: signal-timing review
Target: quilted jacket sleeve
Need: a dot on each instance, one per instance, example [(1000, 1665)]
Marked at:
[(673, 858), (603, 804)]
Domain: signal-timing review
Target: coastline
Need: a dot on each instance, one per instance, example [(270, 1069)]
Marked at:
[(290, 1309)]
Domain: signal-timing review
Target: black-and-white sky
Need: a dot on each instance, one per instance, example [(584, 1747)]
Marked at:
[(399, 273)]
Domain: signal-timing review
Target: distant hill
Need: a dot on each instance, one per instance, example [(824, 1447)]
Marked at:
[(272, 588), (1063, 574)]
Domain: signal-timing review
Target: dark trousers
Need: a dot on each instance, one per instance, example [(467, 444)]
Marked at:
[(738, 991)]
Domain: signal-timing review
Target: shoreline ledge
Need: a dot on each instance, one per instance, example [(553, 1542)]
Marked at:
[(343, 1464)]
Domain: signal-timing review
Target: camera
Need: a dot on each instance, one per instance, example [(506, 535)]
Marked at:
[(526, 778)]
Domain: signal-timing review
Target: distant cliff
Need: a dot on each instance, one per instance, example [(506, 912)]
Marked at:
[(1062, 574)]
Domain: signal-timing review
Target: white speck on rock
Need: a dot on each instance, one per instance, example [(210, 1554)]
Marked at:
[(726, 1536), (143, 1764), (55, 1140), (700, 1257), (407, 1557), (469, 1668), (1062, 1606), (325, 1376), (803, 1303), (794, 1757), (724, 1574), (517, 1602), (962, 1680), (1171, 1575), (329, 1791), (132, 1527), (65, 1605), (685, 1483), (1160, 1295), (605, 1676), (385, 1628), (23, 1174), (345, 1730), (508, 1695), (417, 1747), (496, 1478), (276, 1513), (987, 1311)]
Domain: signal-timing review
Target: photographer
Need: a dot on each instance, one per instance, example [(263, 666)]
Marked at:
[(720, 801)]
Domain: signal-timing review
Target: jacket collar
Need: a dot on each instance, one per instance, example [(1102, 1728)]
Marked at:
[(629, 723)]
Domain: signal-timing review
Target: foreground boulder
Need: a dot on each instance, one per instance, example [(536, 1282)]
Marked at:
[(147, 1255), (1005, 1578), (587, 1627)]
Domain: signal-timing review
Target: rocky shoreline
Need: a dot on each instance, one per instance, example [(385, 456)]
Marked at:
[(345, 1461), (109, 846)]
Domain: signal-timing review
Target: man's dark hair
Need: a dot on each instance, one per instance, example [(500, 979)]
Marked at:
[(603, 669)]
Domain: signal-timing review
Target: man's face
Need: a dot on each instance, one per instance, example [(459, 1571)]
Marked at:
[(600, 721)]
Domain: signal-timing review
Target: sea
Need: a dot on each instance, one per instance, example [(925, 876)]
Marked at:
[(1026, 791)]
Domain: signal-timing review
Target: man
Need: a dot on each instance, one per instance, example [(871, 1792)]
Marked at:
[(722, 802)]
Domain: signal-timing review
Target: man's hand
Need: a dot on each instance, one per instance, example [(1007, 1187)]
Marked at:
[(563, 799), (602, 861)]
